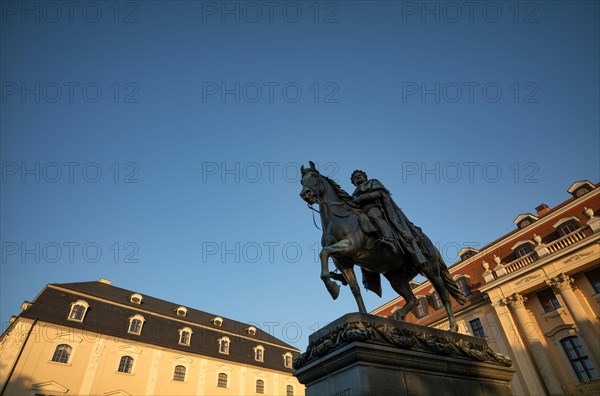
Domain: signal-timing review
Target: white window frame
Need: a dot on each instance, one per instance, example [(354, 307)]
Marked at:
[(224, 369), (221, 341), (181, 311), (262, 351), (131, 319), (183, 330), (69, 359), (285, 360), (135, 296), (75, 304), (131, 351), (181, 360)]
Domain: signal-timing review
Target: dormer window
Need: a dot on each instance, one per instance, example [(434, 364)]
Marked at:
[(522, 248), (181, 311), (567, 225), (423, 308), (436, 301), (224, 343), (580, 188), (259, 353), (185, 336), (135, 324), (135, 298), (287, 360), (218, 321), (467, 252), (525, 219), (251, 330), (78, 310)]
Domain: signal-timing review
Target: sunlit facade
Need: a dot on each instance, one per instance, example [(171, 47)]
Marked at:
[(92, 338), (534, 294)]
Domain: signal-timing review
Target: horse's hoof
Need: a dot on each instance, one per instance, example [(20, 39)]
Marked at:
[(334, 290)]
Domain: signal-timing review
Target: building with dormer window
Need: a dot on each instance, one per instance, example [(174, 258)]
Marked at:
[(534, 295), (92, 338)]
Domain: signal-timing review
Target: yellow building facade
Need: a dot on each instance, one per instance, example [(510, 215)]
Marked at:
[(534, 295), (92, 338)]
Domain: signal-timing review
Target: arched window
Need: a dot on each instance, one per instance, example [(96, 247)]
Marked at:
[(287, 360), (185, 336), (289, 390), (566, 226), (179, 373), (222, 380), (579, 359), (523, 250), (126, 364), (135, 324), (78, 310), (62, 353), (259, 353), (224, 345), (260, 386)]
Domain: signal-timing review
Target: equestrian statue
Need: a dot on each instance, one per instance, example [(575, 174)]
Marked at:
[(368, 229)]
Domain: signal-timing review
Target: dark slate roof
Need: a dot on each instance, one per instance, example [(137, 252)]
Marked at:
[(53, 306)]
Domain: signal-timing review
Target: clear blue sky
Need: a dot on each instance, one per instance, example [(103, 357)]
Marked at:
[(157, 144)]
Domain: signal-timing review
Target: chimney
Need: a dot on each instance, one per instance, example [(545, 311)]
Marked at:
[(542, 209)]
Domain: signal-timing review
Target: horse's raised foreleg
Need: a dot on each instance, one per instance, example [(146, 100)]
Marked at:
[(341, 246), (399, 283), (350, 277)]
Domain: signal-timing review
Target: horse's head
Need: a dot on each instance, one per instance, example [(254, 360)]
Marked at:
[(311, 185)]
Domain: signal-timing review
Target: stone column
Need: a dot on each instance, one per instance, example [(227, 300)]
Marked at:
[(561, 284), (531, 334), (528, 378)]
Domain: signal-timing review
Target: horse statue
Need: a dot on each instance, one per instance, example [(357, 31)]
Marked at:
[(346, 242)]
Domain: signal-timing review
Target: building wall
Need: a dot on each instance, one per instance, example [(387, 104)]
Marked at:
[(93, 366), (511, 312)]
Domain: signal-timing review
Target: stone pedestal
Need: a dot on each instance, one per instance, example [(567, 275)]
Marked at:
[(362, 355)]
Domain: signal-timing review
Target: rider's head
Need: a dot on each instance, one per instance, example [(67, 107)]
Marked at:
[(358, 174)]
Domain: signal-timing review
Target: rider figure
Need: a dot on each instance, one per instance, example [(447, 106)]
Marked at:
[(377, 203)]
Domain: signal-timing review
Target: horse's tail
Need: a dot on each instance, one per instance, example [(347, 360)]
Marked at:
[(451, 285)]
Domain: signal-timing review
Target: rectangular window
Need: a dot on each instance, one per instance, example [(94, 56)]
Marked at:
[(579, 359), (422, 309), (593, 277), (437, 301), (548, 300), (464, 285), (477, 328)]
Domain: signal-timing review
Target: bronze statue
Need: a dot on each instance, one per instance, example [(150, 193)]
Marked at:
[(377, 203), (389, 245)]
